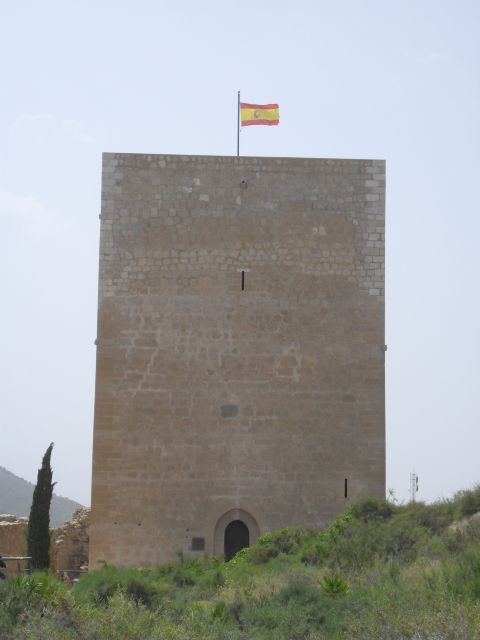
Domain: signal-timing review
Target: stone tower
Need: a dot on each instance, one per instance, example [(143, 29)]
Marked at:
[(240, 351)]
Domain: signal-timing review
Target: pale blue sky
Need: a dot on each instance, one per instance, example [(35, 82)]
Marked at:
[(354, 79)]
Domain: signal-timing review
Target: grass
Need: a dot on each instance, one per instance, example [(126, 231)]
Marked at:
[(379, 571)]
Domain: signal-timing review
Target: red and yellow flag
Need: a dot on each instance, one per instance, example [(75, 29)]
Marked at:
[(259, 114)]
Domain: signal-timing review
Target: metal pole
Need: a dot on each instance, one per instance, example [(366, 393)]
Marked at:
[(238, 125)]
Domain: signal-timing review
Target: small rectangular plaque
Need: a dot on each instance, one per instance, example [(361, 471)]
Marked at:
[(198, 544)]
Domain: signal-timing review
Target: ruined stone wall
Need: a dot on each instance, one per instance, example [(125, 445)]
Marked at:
[(240, 349), (13, 541), (68, 544), (71, 545)]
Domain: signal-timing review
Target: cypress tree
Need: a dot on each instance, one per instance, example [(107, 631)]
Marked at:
[(38, 532)]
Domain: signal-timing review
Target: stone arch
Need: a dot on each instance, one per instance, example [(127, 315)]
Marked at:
[(228, 517)]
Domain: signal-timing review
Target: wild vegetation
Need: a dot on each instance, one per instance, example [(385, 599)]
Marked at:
[(379, 571)]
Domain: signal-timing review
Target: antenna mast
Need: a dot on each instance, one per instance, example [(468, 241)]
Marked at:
[(413, 486)]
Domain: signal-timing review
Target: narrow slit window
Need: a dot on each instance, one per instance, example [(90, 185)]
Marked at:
[(346, 488), (243, 280)]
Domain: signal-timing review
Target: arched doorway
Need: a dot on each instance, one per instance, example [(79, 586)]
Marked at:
[(236, 537), (246, 519)]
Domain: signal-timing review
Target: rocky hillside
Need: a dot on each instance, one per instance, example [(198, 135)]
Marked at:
[(16, 498)]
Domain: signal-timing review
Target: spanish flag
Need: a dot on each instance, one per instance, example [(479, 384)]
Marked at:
[(259, 114)]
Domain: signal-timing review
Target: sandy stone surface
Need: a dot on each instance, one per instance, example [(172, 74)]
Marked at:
[(240, 349)]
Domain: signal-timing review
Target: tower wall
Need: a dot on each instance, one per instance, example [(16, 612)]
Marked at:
[(216, 402)]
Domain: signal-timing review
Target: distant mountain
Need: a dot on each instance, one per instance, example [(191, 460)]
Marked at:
[(16, 498)]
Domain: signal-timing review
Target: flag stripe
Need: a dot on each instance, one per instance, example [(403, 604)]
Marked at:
[(260, 115), (248, 123), (247, 105)]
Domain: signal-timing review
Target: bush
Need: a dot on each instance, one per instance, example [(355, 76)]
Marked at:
[(186, 573), (375, 531), (462, 576), (315, 552), (99, 587), (434, 517), (401, 538), (372, 509), (334, 585), (31, 593), (121, 618), (407, 609), (467, 502), (273, 544), (212, 577), (295, 612), (300, 591)]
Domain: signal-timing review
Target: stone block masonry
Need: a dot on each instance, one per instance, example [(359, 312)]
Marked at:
[(240, 350)]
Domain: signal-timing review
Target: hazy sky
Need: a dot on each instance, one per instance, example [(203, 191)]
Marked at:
[(354, 79)]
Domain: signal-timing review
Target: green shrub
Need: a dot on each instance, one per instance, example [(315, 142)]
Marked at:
[(466, 503), (212, 578), (334, 585), (434, 517), (294, 612), (32, 592), (98, 587), (121, 619), (315, 552), (379, 531), (413, 608), (220, 611), (372, 509), (401, 537), (49, 624), (359, 545), (186, 573), (337, 528), (375, 530), (302, 592), (273, 544), (462, 575)]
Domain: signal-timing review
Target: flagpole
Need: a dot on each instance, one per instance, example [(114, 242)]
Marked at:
[(238, 125)]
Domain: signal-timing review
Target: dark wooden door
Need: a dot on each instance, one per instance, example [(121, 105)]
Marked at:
[(236, 537)]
